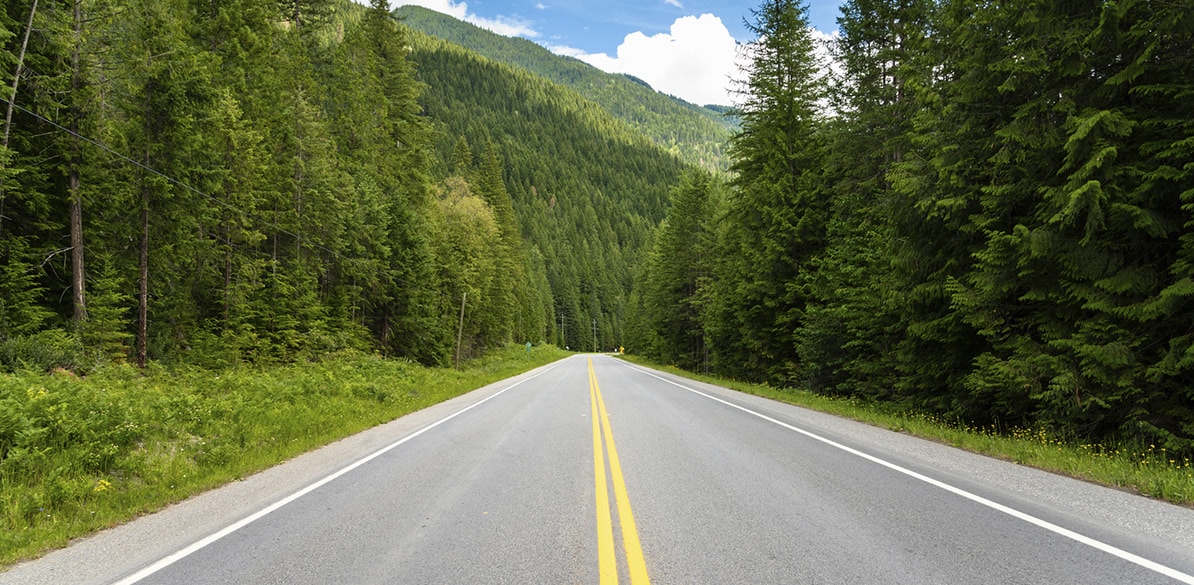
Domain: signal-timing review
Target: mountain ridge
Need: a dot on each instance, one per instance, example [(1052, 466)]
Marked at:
[(586, 187), (696, 134)]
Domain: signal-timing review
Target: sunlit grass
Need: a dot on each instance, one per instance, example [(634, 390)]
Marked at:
[(81, 454), (1141, 468)]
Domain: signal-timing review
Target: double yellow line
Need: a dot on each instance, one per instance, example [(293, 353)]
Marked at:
[(607, 563)]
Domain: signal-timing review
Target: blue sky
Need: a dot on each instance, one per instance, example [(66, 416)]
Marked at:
[(682, 47)]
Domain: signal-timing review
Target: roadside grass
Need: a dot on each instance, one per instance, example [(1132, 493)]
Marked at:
[(79, 454), (1140, 468)]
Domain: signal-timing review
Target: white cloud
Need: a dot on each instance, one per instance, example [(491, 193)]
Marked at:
[(693, 61), (541, 6), (675, 3), (502, 25)]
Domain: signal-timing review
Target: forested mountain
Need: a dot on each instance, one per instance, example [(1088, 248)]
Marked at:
[(996, 223), (698, 135), (587, 188)]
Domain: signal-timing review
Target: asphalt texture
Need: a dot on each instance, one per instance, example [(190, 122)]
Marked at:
[(497, 486)]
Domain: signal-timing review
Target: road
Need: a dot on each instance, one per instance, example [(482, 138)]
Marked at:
[(592, 470)]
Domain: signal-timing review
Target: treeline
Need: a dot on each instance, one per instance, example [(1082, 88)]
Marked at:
[(988, 214), (695, 134), (237, 180)]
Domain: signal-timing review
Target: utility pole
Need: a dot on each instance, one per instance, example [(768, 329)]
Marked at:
[(594, 336), (460, 328)]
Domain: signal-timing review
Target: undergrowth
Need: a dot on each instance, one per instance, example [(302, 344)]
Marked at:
[(78, 454)]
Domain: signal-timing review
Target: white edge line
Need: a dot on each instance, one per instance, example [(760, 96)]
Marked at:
[(200, 544), (1070, 534)]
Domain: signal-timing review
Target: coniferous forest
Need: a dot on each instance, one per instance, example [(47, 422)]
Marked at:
[(986, 210), (987, 213), (259, 181)]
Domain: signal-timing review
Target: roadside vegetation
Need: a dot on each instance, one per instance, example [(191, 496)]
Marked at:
[(1146, 469), (930, 226), (82, 453)]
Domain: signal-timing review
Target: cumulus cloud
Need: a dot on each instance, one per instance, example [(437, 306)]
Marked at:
[(693, 61), (502, 25)]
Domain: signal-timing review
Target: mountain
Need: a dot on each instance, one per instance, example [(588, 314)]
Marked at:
[(587, 188), (696, 134)]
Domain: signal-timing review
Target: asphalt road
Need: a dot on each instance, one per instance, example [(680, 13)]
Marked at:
[(696, 484)]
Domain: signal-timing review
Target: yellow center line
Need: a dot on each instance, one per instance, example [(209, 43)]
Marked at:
[(635, 562), (607, 567)]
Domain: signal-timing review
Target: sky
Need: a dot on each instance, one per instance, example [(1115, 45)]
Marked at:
[(686, 48)]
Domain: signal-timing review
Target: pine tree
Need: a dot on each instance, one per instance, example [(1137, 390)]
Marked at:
[(162, 89), (776, 214), (383, 126), (21, 310), (856, 318), (508, 291), (677, 272)]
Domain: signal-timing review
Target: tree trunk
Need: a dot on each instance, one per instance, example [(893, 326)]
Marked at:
[(143, 294), (227, 279), (78, 274)]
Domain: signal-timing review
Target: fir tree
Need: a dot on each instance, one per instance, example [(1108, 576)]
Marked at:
[(776, 214)]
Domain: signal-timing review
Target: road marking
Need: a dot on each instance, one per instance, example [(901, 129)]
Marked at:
[(635, 562), (606, 563), (1081, 538), (201, 544)]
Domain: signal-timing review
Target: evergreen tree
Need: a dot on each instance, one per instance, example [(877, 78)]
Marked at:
[(162, 91), (21, 312), (381, 130), (776, 214), (1072, 286), (677, 272), (508, 292), (857, 315), (935, 190)]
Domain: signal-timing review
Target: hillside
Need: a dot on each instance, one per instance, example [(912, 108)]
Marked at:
[(696, 134), (587, 188)]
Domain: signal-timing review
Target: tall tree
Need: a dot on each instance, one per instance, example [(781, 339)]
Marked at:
[(678, 271), (162, 89), (857, 315), (776, 214), (508, 288), (381, 126)]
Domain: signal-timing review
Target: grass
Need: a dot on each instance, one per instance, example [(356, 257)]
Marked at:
[(1139, 468), (79, 454)]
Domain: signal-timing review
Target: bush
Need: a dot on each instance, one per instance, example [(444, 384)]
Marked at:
[(44, 351)]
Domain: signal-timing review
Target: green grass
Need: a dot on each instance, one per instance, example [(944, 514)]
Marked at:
[(79, 454), (1143, 469)]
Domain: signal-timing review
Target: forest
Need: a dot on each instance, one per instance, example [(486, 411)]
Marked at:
[(986, 212), (256, 181), (697, 135), (587, 188)]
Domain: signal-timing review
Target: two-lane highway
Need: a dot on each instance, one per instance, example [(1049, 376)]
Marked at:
[(592, 471)]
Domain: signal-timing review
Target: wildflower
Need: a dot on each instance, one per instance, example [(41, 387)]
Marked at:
[(102, 485)]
